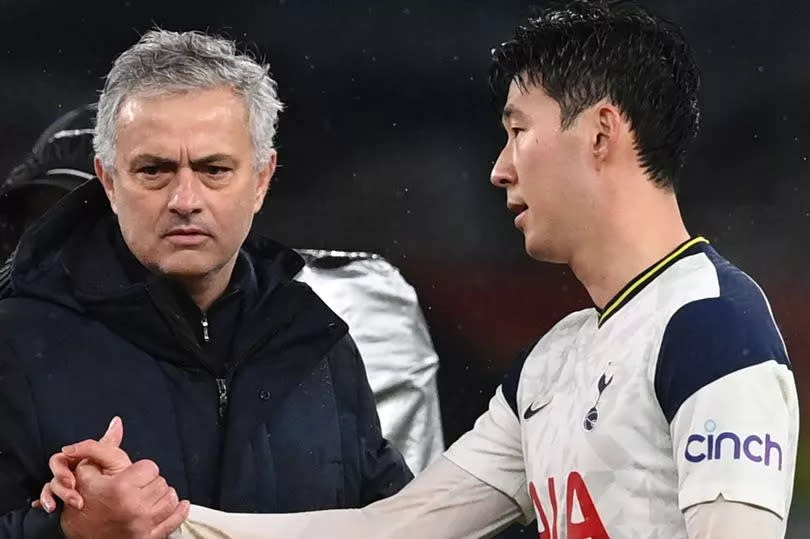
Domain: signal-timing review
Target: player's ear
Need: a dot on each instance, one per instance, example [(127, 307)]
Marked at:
[(606, 128)]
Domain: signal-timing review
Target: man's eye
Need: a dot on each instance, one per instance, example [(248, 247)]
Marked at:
[(151, 170), (212, 170)]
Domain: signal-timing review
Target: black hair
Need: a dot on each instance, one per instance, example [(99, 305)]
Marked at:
[(580, 52)]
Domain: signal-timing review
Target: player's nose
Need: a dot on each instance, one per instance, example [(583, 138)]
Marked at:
[(503, 172)]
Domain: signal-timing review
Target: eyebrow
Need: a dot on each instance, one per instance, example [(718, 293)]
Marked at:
[(213, 158), (144, 158), (157, 160), (511, 111)]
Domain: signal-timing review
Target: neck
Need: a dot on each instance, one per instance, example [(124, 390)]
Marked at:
[(207, 289), (638, 235)]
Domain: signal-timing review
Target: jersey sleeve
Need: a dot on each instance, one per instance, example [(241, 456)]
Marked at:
[(493, 450), (724, 383), (722, 519), (443, 502)]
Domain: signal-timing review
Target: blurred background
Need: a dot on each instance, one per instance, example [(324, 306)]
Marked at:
[(389, 136)]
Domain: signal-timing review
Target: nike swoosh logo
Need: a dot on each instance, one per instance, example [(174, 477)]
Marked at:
[(531, 410)]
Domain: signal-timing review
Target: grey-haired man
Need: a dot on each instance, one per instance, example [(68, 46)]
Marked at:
[(146, 296)]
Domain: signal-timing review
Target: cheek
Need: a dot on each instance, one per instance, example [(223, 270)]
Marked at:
[(234, 218), (537, 169), (140, 216)]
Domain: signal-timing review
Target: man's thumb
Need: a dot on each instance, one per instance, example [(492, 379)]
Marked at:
[(114, 434)]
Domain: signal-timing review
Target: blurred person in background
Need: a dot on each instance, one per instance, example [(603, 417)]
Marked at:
[(60, 161)]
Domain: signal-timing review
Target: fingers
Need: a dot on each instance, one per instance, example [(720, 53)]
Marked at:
[(58, 489), (154, 491), (180, 514), (46, 500), (114, 434), (86, 472), (165, 506), (60, 465), (108, 457), (141, 473)]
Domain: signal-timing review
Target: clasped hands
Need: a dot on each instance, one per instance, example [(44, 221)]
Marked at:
[(105, 494)]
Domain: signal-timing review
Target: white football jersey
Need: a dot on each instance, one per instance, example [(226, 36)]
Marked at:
[(616, 421)]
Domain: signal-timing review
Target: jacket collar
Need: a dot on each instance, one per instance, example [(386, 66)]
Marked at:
[(70, 257)]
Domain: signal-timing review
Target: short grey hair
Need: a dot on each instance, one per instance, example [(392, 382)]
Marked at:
[(164, 63)]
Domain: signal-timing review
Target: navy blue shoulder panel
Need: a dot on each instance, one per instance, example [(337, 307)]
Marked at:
[(510, 382), (710, 338)]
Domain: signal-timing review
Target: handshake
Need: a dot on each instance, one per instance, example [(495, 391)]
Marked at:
[(106, 495)]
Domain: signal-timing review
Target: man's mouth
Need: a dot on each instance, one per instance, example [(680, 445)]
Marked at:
[(520, 209), (187, 236)]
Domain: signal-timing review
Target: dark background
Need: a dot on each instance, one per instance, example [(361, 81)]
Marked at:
[(389, 136)]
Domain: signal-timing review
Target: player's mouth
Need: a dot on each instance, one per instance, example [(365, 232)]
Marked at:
[(520, 209)]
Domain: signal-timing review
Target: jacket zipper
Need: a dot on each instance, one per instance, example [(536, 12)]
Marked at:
[(204, 322), (222, 383), (222, 390)]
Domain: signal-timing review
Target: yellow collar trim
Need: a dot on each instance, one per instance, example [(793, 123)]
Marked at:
[(647, 276)]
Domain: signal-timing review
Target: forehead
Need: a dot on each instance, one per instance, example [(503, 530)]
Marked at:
[(210, 120), (218, 110)]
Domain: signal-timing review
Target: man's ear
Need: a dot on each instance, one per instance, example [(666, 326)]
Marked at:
[(105, 177), (265, 176), (607, 125)]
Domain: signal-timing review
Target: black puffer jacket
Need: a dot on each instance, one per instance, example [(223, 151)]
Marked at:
[(276, 416)]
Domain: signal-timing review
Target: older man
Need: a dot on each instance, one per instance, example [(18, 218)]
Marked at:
[(145, 295)]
